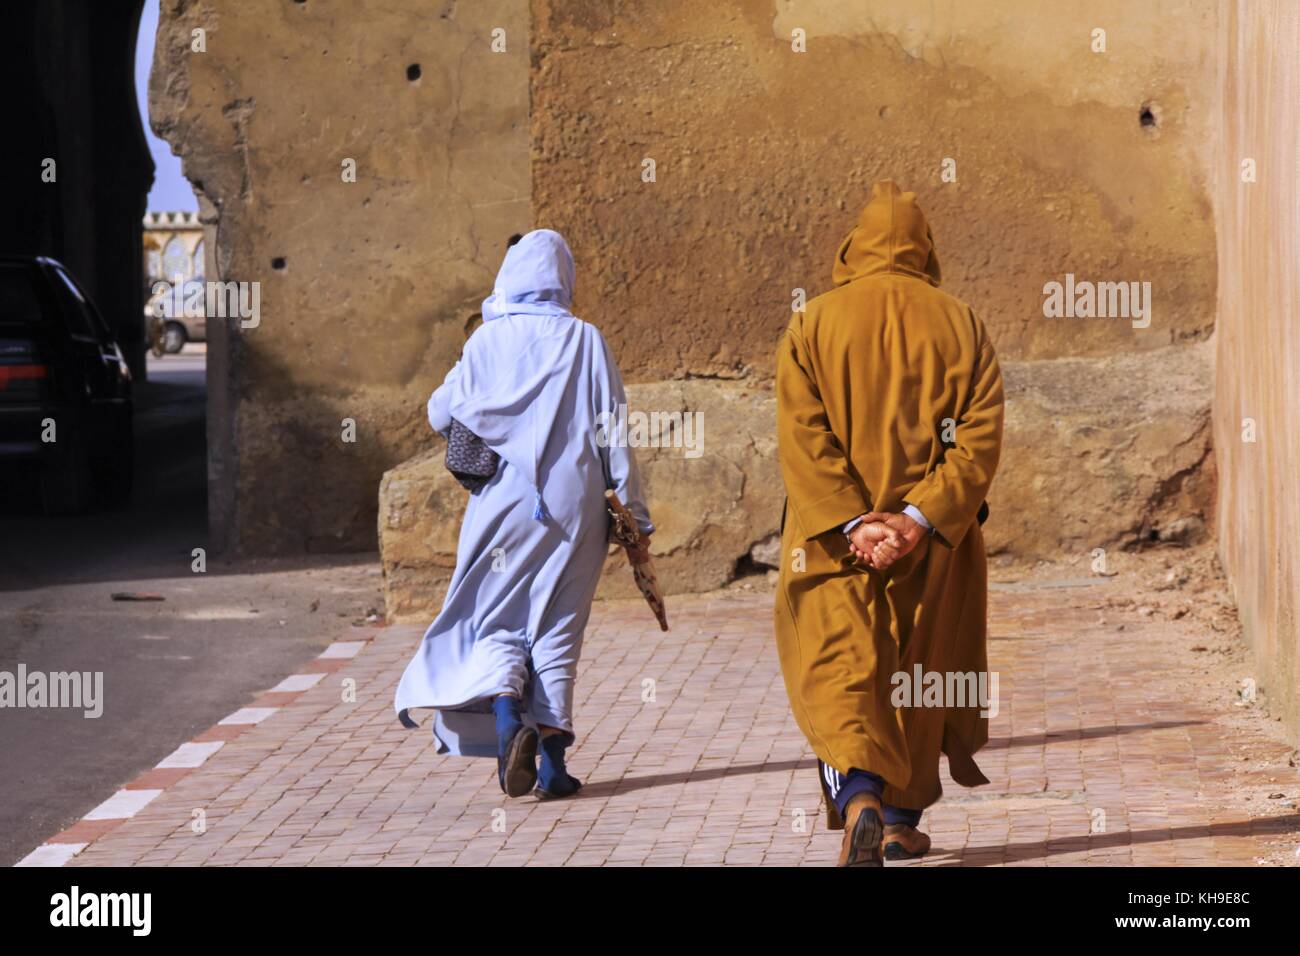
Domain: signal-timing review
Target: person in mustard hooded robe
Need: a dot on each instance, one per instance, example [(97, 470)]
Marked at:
[(889, 419)]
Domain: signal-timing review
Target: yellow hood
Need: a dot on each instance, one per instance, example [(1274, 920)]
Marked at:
[(891, 236)]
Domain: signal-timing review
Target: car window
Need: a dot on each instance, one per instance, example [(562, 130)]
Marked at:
[(80, 314), (100, 325), (19, 301)]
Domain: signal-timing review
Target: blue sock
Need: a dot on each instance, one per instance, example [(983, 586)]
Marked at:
[(509, 722), (551, 773)]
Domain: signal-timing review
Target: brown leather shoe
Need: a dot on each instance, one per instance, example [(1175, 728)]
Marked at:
[(863, 833), (902, 842)]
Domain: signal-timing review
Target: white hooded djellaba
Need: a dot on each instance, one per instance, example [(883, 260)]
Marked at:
[(541, 389)]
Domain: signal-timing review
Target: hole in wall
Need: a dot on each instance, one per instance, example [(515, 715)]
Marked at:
[(1147, 116), (747, 567), (278, 263), (413, 72)]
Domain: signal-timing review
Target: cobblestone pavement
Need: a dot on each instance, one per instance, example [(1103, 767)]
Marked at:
[(1107, 750)]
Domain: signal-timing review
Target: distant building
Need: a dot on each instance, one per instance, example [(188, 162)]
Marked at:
[(173, 245)]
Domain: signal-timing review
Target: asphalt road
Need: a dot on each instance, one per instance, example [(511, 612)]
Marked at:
[(171, 668)]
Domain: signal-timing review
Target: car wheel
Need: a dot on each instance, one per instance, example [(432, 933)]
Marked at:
[(66, 485), (173, 338)]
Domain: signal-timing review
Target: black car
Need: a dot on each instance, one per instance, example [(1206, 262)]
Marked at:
[(65, 390)]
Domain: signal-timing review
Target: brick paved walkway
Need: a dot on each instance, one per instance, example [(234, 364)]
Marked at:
[(691, 757)]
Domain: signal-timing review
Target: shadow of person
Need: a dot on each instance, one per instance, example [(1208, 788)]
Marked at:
[(1082, 733), (608, 788)]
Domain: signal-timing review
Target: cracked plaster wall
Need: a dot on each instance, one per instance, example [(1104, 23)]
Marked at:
[(365, 286)]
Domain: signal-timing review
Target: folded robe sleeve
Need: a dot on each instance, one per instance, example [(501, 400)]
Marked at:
[(822, 490), (440, 401), (951, 494)]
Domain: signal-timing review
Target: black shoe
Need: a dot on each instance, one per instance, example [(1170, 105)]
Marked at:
[(517, 767)]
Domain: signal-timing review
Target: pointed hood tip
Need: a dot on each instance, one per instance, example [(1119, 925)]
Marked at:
[(891, 236), (536, 277)]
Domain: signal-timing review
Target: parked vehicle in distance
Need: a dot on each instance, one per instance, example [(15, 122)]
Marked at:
[(65, 389), (169, 333)]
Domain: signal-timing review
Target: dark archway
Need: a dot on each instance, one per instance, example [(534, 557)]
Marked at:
[(69, 97)]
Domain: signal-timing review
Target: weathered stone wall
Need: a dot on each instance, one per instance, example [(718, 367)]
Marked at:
[(365, 285), (1258, 338), (1086, 472), (1067, 160), (711, 511), (764, 157)]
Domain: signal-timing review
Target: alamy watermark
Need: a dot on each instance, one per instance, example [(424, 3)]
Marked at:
[(1084, 299), (213, 300), (133, 911), (82, 690), (624, 429), (922, 688)]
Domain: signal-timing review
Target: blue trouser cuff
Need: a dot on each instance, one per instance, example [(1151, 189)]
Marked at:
[(844, 787)]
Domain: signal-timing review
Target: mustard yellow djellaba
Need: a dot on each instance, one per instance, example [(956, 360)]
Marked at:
[(889, 394)]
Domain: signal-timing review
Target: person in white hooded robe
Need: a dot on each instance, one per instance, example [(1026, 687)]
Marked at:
[(540, 387)]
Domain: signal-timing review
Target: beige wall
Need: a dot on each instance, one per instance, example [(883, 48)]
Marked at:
[(379, 275), (765, 156), (1258, 337)]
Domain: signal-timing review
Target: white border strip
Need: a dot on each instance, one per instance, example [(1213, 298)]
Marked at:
[(248, 715), (296, 683), (122, 805), (190, 755), (342, 649), (52, 854)]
